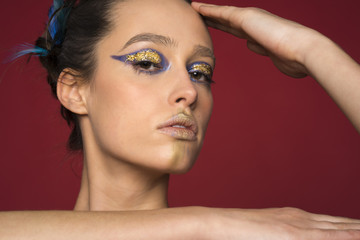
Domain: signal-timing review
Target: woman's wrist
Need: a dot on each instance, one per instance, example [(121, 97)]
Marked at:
[(194, 223), (316, 47)]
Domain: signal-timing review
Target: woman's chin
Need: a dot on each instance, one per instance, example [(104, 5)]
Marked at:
[(180, 158), (174, 165), (173, 162)]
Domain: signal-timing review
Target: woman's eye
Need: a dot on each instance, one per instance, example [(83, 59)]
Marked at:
[(147, 61), (198, 76), (146, 66), (201, 73)]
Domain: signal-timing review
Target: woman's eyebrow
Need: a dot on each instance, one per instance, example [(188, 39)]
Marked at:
[(203, 51), (199, 50), (151, 37)]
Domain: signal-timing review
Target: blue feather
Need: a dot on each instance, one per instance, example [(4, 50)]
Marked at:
[(58, 14), (57, 18), (27, 48)]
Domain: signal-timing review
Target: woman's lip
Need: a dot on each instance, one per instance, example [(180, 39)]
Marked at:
[(179, 133), (180, 126)]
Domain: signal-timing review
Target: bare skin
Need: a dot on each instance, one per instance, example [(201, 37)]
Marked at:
[(179, 223), (127, 159), (290, 46), (295, 50)]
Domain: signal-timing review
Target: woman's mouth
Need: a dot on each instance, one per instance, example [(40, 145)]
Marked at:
[(180, 126)]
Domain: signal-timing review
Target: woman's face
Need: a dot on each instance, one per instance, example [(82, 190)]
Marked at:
[(150, 100)]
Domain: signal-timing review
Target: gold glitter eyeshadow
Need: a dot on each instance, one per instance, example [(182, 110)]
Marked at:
[(147, 55), (202, 67)]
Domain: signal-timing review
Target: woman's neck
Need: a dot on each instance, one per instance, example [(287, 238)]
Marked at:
[(119, 186)]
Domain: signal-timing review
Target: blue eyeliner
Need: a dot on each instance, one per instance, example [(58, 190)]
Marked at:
[(202, 68), (145, 58)]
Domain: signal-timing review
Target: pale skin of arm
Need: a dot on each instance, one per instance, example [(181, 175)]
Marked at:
[(295, 50), (178, 223), (291, 47)]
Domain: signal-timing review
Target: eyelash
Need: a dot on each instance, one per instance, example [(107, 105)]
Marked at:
[(142, 69), (160, 64), (208, 77), (149, 59)]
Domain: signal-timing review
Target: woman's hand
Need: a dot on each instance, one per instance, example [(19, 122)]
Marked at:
[(280, 223), (295, 50), (266, 34)]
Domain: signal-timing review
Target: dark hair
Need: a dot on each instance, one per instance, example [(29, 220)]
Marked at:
[(88, 22)]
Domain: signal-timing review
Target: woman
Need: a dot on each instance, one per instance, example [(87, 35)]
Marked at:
[(129, 150)]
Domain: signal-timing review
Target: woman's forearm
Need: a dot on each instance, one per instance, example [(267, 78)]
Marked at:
[(179, 223), (338, 74)]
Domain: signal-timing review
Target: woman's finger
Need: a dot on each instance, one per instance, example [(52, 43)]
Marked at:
[(330, 234), (326, 218), (336, 225), (257, 48), (197, 5), (223, 27), (224, 13), (227, 15)]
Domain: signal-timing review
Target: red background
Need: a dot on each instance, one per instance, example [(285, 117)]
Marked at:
[(273, 141)]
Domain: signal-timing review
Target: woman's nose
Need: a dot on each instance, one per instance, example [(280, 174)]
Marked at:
[(184, 92)]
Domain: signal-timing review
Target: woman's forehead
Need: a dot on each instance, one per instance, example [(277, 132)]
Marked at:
[(173, 19)]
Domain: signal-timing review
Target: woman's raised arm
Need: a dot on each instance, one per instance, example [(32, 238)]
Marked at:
[(294, 49)]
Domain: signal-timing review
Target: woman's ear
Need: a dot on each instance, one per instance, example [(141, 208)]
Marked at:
[(70, 91)]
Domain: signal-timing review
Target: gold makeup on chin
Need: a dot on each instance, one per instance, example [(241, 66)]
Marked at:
[(146, 55)]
